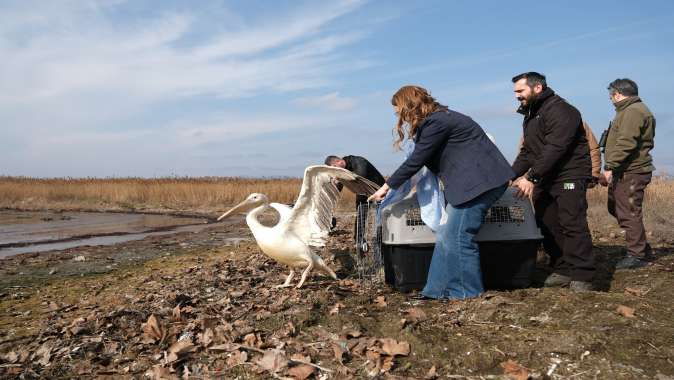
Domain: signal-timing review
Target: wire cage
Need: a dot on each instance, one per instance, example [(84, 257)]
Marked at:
[(368, 237)]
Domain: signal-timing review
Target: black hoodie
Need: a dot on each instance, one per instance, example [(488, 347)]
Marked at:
[(555, 147)]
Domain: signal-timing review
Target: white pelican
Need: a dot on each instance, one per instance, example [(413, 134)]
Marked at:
[(303, 228)]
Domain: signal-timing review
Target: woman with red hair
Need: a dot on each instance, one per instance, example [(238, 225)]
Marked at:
[(474, 174)]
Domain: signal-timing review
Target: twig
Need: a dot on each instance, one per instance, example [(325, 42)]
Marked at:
[(295, 361), (249, 348), (499, 351), (651, 344), (579, 373)]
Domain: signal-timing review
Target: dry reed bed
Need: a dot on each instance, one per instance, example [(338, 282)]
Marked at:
[(658, 209), (196, 195), (210, 195)]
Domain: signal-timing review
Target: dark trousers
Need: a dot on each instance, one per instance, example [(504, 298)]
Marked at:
[(561, 213), (625, 200)]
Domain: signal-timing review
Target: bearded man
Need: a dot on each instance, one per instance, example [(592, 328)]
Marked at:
[(553, 167)]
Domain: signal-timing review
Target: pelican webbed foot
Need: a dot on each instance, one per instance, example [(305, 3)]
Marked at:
[(287, 281)]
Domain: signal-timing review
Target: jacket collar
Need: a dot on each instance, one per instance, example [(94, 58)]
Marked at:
[(533, 107), (621, 105)]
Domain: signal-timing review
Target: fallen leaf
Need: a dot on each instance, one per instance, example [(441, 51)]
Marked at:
[(380, 301), (392, 347), (152, 330), (639, 292), (387, 364), (11, 357), (431, 374), (272, 361), (335, 309), (416, 315), (351, 333), (236, 358), (177, 315), (223, 347), (514, 370), (161, 373), (43, 354), (250, 340), (206, 337), (178, 349), (373, 363), (301, 371), (340, 349), (625, 311)]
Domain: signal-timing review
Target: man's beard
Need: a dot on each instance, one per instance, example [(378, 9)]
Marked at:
[(529, 100)]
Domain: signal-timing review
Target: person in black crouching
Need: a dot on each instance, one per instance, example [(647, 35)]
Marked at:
[(362, 167)]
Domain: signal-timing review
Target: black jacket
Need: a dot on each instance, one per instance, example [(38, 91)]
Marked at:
[(457, 150), (555, 147), (363, 168)]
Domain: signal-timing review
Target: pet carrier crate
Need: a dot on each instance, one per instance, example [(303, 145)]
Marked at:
[(508, 242)]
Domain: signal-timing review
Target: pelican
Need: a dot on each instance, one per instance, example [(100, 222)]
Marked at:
[(302, 229)]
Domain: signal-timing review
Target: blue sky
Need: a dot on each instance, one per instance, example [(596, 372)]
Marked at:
[(266, 88)]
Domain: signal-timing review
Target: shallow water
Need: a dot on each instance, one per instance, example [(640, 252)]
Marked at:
[(28, 231)]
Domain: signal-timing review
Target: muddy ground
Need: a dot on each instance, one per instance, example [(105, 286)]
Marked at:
[(201, 305)]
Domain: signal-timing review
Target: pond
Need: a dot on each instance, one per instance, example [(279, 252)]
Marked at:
[(37, 231)]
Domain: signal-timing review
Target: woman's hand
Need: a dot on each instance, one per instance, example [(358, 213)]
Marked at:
[(380, 194)]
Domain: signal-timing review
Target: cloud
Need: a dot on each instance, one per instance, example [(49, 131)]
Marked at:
[(332, 102), (85, 78)]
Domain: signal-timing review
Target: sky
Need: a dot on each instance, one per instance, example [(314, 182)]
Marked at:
[(115, 88)]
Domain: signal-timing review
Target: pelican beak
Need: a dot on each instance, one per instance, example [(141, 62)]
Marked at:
[(241, 207)]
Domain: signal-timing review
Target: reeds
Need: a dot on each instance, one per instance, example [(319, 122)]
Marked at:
[(211, 195), (196, 195)]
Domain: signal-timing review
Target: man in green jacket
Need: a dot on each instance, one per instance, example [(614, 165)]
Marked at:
[(628, 167)]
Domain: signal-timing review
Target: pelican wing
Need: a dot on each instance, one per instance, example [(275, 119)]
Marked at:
[(284, 211), (312, 215)]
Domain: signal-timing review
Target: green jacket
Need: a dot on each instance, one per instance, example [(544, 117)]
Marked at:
[(630, 139)]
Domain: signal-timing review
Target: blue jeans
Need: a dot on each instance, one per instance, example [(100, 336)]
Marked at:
[(455, 267)]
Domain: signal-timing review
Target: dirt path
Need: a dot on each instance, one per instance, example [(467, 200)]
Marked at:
[(203, 305)]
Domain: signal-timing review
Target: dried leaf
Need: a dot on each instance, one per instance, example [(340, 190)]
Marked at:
[(178, 349), (432, 374), (373, 363), (387, 364), (340, 349), (350, 333), (301, 372), (625, 311), (236, 358), (250, 340), (161, 373), (514, 370), (416, 315), (206, 338), (392, 347), (43, 354), (11, 357), (177, 315), (335, 309), (639, 292), (223, 347), (272, 361), (152, 330), (380, 301)]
